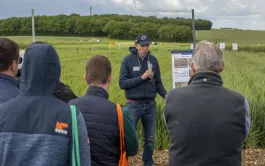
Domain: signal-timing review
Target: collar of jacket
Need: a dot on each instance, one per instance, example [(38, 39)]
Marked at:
[(97, 91), (10, 79), (133, 50), (206, 77)]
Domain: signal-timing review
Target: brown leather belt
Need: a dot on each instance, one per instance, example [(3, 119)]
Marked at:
[(139, 101)]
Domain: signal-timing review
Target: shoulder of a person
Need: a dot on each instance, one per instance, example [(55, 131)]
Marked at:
[(177, 91), (233, 93), (126, 59), (76, 101), (83, 100), (73, 101), (129, 56), (78, 111), (152, 57)]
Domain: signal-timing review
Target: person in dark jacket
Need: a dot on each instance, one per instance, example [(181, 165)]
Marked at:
[(9, 56), (65, 93), (141, 80), (101, 116), (35, 126), (207, 123)]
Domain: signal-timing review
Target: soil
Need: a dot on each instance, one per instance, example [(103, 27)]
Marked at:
[(255, 157)]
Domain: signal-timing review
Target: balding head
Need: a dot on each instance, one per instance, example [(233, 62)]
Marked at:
[(207, 57)]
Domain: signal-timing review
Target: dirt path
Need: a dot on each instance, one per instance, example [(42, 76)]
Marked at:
[(255, 157)]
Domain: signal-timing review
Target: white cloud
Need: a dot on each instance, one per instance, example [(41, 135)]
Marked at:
[(245, 14)]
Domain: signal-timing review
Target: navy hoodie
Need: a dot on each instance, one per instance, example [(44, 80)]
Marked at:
[(132, 68), (35, 126)]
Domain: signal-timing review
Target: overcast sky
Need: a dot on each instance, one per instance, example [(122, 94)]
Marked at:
[(244, 14)]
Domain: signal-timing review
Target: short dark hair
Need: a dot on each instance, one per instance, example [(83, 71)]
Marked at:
[(9, 51), (98, 69)]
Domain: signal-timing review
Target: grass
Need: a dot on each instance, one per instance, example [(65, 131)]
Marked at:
[(242, 37), (244, 72)]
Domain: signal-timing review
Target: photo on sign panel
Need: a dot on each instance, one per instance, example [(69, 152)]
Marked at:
[(181, 63), (180, 84), (189, 62)]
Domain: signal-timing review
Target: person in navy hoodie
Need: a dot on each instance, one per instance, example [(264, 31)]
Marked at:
[(64, 92), (140, 78), (9, 59), (35, 126)]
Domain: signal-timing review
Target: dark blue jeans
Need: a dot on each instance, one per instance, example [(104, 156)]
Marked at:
[(147, 113)]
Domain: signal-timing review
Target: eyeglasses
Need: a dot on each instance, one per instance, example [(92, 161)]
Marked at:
[(20, 60)]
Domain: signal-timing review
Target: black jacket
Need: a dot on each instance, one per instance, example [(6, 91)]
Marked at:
[(101, 119), (65, 93), (132, 68), (206, 123)]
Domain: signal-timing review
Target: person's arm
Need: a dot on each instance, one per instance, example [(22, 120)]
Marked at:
[(130, 137), (84, 145), (65, 93), (125, 82), (159, 85), (248, 123)]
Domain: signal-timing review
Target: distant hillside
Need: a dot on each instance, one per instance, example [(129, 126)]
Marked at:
[(111, 25)]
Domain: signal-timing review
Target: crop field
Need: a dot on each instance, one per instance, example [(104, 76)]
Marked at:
[(242, 37), (244, 72)]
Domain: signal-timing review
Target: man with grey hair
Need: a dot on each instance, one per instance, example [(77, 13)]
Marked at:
[(207, 123)]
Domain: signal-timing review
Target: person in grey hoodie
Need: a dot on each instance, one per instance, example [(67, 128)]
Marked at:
[(35, 126)]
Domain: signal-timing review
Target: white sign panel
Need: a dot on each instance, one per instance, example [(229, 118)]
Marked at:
[(181, 71), (235, 47), (222, 45)]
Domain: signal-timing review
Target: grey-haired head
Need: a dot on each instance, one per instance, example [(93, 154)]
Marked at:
[(207, 57)]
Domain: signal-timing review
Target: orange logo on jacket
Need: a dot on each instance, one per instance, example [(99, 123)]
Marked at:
[(59, 128)]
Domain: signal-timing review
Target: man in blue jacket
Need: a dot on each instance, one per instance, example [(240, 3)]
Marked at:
[(35, 126), (101, 116), (9, 59), (141, 80)]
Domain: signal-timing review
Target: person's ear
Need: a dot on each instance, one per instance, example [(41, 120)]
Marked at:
[(222, 68), (137, 46), (14, 66), (110, 78), (85, 78), (223, 65), (192, 68)]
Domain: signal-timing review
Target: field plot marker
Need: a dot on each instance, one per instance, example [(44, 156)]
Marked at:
[(33, 26), (193, 28)]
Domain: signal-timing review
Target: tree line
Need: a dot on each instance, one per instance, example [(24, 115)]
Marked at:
[(111, 25)]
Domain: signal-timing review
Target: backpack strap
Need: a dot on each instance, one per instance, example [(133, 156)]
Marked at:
[(121, 128)]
